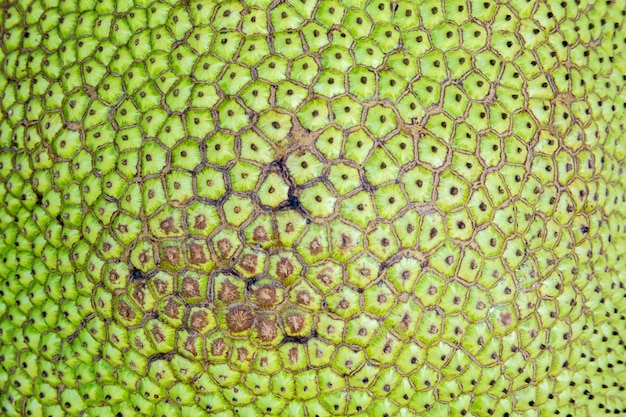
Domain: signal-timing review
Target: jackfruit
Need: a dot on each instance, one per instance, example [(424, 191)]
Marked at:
[(312, 208)]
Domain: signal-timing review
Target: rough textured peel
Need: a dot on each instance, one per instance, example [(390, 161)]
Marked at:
[(312, 208)]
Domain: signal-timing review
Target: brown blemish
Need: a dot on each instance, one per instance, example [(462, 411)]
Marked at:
[(315, 247), (190, 287), (406, 322), (293, 355), (480, 305), (196, 254), (224, 246), (248, 262), (505, 318), (218, 346), (382, 298), (113, 276), (242, 354), (432, 290), (171, 309), (303, 297), (259, 234), (199, 320), (125, 311), (168, 226), (171, 255), (295, 322), (199, 222), (267, 330), (265, 296), (161, 286), (144, 257), (346, 242), (139, 295), (158, 334), (239, 318), (228, 292), (284, 268), (190, 345)]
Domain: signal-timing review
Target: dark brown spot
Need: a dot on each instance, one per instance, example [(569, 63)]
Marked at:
[(157, 333), (125, 311), (265, 296), (284, 268), (303, 297), (260, 234), (218, 346), (171, 309), (248, 262), (267, 330), (196, 254), (199, 320), (199, 221), (315, 247), (239, 318), (293, 355), (505, 318), (168, 226), (224, 246), (228, 292), (190, 287), (171, 255), (294, 321)]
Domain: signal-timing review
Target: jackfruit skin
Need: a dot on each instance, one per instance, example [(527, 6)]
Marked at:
[(312, 208)]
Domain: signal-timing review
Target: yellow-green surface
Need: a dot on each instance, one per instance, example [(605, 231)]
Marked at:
[(303, 208)]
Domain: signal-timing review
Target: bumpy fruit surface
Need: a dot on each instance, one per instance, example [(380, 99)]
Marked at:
[(312, 208)]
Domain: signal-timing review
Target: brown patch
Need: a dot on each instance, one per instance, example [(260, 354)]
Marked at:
[(138, 343), (144, 257), (126, 311), (168, 226), (199, 319), (113, 276), (432, 290), (267, 330), (265, 296), (161, 286), (196, 254), (315, 247), (382, 298), (406, 321), (303, 297), (239, 319), (171, 309), (344, 304), (242, 354), (433, 330), (259, 234), (190, 345), (224, 246), (248, 262), (199, 222), (228, 293), (158, 334), (505, 318), (284, 268), (346, 242), (289, 227), (171, 255), (365, 272), (480, 305), (190, 287), (325, 278), (295, 322), (293, 355), (218, 346), (139, 295)]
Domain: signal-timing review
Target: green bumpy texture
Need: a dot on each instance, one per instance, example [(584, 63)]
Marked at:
[(312, 208)]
